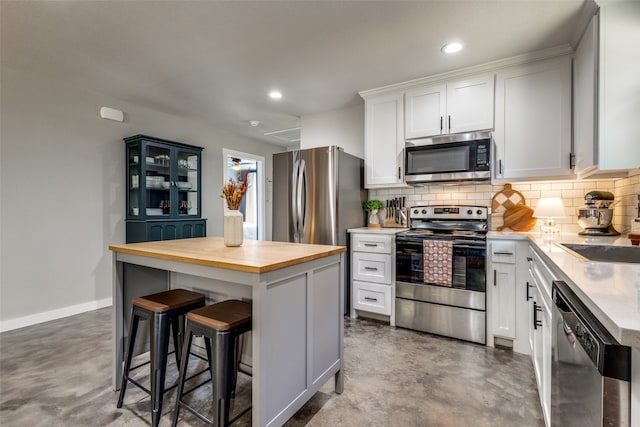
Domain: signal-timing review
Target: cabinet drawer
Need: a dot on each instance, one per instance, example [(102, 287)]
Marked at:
[(541, 274), (504, 252), (372, 297), (376, 243), (371, 267)]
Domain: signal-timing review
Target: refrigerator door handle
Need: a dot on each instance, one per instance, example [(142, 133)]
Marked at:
[(300, 201), (294, 191)]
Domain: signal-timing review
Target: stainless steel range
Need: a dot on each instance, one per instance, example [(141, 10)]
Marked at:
[(440, 272)]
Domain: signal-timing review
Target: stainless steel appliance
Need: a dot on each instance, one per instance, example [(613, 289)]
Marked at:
[(460, 157), (596, 217), (441, 272), (317, 195), (590, 371)]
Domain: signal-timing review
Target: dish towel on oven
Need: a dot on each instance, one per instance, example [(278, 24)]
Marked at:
[(438, 256)]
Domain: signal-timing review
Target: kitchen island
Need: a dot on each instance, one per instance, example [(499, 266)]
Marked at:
[(297, 297)]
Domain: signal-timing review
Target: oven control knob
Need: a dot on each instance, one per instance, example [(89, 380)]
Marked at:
[(415, 211), (578, 330), (469, 212), (424, 211), (479, 211)]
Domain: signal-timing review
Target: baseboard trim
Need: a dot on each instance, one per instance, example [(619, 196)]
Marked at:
[(34, 319)]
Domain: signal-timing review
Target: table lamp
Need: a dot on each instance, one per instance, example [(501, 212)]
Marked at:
[(547, 210)]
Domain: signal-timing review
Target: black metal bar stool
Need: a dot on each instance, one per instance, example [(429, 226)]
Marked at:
[(162, 310), (222, 323)]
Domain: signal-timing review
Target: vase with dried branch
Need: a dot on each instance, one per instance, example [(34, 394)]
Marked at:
[(233, 192)]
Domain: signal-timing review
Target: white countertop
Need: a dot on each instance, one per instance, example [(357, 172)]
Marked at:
[(610, 290), (381, 230)]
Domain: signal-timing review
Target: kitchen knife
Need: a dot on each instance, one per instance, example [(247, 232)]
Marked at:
[(395, 211), (386, 212)]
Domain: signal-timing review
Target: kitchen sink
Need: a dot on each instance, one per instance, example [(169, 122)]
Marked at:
[(604, 253)]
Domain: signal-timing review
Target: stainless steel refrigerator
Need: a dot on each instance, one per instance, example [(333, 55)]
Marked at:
[(318, 195)]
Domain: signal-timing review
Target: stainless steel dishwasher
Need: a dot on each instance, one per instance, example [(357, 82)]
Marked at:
[(590, 371)]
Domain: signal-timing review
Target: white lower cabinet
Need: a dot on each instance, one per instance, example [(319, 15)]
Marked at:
[(541, 329), (371, 267), (372, 275), (503, 301), (507, 307), (372, 297)]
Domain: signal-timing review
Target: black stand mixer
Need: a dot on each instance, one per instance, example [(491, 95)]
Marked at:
[(597, 215)]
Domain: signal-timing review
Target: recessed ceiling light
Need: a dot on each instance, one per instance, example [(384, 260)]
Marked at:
[(275, 94), (452, 47)]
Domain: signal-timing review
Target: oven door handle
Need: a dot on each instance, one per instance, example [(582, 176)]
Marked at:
[(468, 246), (409, 241)]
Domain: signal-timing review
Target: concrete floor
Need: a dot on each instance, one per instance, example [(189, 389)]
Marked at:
[(58, 374)]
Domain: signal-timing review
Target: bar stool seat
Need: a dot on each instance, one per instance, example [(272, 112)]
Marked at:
[(164, 311), (222, 323)]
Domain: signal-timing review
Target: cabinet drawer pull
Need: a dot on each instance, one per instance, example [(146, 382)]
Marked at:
[(371, 245), (503, 253), (500, 167), (529, 259), (399, 173), (495, 278), (371, 299), (449, 122), (529, 286), (371, 268), (536, 309), (440, 124)]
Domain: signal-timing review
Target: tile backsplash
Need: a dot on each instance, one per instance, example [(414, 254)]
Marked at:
[(626, 191)]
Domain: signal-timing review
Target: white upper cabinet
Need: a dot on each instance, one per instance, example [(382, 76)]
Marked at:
[(533, 120), (384, 141), (470, 104), (455, 107), (584, 93), (425, 109), (607, 87)]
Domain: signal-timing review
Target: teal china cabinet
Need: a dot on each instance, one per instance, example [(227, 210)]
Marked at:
[(163, 190)]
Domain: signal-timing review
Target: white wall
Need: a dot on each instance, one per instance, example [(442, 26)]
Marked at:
[(343, 127), (62, 181)]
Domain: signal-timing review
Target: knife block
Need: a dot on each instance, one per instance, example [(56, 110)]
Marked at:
[(390, 220)]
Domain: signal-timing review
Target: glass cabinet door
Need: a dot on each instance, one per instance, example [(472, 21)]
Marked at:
[(157, 174), (134, 196), (186, 182)]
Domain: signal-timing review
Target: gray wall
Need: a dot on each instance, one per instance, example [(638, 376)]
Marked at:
[(343, 127), (63, 191)]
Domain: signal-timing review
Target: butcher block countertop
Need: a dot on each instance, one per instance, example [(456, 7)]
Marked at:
[(254, 256)]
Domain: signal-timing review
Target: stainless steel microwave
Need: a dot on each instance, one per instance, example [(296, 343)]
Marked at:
[(460, 157)]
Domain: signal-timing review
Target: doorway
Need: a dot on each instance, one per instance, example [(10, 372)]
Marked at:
[(236, 165)]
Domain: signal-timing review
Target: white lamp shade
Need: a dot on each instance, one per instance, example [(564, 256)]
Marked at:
[(550, 207)]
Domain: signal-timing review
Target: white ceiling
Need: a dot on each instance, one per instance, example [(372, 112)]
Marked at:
[(217, 60)]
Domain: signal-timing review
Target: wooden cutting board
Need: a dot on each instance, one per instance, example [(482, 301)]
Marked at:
[(506, 198), (518, 218)]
